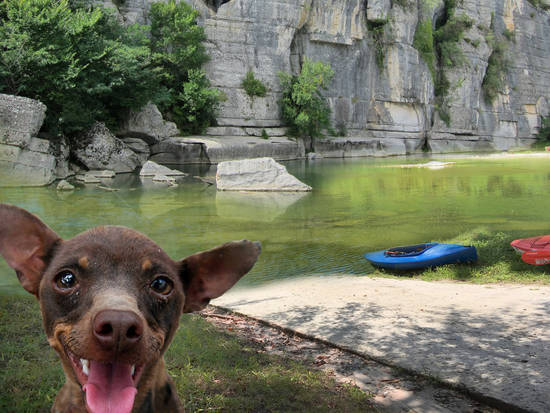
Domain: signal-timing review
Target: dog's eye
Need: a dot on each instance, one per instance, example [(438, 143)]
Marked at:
[(162, 285), (65, 280)]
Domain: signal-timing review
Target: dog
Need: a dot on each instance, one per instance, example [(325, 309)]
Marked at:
[(111, 300)]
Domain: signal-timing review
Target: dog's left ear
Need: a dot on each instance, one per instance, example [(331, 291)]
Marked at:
[(26, 244), (208, 274)]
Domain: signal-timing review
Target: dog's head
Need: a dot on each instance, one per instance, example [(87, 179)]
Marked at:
[(111, 298)]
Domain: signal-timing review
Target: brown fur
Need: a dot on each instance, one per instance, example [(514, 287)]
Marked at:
[(116, 273)]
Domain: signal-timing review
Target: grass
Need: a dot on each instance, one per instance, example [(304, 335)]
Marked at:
[(213, 371), (497, 261)]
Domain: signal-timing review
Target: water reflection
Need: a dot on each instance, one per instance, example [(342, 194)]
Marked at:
[(255, 206)]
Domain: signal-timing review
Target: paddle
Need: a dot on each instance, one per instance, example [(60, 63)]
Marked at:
[(536, 257)]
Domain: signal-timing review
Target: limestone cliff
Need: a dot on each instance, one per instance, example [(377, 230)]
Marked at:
[(383, 90)]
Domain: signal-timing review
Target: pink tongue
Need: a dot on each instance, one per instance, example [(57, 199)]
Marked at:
[(110, 388)]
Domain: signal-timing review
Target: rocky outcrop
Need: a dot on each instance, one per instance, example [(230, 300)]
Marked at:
[(100, 149), (148, 125), (26, 160), (382, 88), (261, 174), (214, 150)]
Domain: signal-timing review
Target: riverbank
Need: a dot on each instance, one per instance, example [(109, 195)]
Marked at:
[(489, 340)]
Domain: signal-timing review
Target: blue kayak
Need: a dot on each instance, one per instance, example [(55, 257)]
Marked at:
[(415, 257)]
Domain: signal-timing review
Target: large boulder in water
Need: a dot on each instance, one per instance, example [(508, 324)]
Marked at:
[(98, 148), (260, 174)]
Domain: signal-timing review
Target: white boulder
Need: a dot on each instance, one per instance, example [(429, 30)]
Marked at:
[(260, 174), (151, 168)]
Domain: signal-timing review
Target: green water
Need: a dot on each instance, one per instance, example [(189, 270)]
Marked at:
[(356, 206)]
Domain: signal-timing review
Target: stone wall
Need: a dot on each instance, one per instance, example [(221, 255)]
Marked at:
[(268, 36)]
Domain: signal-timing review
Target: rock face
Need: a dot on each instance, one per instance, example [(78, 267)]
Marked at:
[(148, 125), (214, 150), (261, 174), (393, 99), (100, 149), (26, 160)]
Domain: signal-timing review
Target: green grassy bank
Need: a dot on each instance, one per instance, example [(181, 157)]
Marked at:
[(497, 261), (214, 371)]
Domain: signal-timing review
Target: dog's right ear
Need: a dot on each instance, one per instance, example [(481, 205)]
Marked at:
[(26, 243)]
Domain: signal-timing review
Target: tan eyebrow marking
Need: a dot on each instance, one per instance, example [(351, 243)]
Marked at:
[(84, 262), (146, 264)]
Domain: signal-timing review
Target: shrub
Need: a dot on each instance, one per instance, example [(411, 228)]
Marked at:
[(195, 105), (264, 134), (497, 67), (424, 43), (304, 109), (178, 53), (252, 86), (378, 30), (447, 39), (544, 131), (81, 63)]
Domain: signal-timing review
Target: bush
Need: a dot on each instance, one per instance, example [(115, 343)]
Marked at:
[(497, 67), (424, 43), (447, 39), (304, 109), (544, 131), (177, 55), (252, 86), (81, 63), (195, 105), (378, 30)]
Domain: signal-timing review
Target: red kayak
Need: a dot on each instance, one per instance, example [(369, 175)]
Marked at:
[(534, 243), (535, 250)]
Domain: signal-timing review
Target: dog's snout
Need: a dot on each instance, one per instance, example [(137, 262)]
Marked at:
[(117, 330)]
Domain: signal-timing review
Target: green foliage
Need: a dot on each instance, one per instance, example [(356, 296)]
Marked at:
[(539, 3), (177, 54), (304, 109), (544, 130), (447, 39), (510, 36), (424, 43), (252, 86), (82, 63), (441, 49), (495, 74), (264, 134), (378, 29), (195, 105)]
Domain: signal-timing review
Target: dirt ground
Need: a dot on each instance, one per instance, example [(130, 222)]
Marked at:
[(392, 390)]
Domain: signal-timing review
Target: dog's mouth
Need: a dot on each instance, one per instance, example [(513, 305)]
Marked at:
[(109, 387)]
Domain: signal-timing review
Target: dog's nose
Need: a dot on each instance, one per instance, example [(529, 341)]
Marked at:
[(117, 330)]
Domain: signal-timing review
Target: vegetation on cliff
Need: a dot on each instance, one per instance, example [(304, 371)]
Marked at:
[(440, 49), (86, 66), (177, 55), (304, 108)]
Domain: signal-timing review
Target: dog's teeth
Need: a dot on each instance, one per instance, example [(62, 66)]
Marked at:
[(133, 370), (85, 364)]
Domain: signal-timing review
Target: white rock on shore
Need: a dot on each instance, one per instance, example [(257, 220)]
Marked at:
[(260, 174)]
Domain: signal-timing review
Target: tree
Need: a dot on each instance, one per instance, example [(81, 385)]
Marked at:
[(304, 108), (178, 53), (82, 63)]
